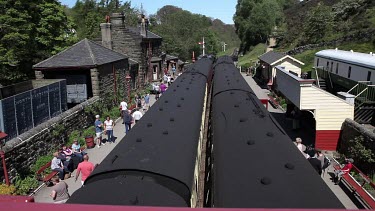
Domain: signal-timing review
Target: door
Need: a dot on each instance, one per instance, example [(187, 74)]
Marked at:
[(155, 72)]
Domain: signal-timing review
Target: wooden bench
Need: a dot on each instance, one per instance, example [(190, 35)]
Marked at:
[(45, 178), (273, 102), (356, 188)]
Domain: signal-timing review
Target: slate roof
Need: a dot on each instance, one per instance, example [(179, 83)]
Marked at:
[(150, 35), (170, 57), (356, 58), (85, 53), (271, 57)]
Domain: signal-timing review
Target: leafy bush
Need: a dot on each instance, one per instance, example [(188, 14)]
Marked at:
[(346, 8), (41, 161), (24, 185), (76, 134), (89, 131), (7, 190)]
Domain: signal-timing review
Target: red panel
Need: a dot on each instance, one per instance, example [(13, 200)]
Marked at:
[(8, 198), (327, 139), (65, 207)]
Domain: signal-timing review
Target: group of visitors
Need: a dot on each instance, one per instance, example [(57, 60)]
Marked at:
[(105, 128), (64, 162), (320, 162)]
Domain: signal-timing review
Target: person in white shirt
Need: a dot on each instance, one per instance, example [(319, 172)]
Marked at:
[(137, 115), (108, 127), (124, 107)]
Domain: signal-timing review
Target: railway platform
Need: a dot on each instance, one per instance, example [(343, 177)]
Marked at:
[(307, 137), (96, 157)]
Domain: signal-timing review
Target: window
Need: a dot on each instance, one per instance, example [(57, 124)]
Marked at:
[(327, 66), (369, 76), (337, 68), (349, 71), (331, 66), (317, 62)]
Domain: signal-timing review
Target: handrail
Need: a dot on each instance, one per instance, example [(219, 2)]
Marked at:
[(366, 180), (317, 76), (361, 92), (330, 80), (352, 88)]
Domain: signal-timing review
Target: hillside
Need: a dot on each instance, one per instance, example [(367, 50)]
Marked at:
[(326, 20), (182, 30)]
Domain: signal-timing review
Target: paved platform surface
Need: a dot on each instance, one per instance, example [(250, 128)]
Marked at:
[(308, 137), (96, 156)]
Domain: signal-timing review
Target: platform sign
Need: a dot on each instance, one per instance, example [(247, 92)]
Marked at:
[(76, 93)]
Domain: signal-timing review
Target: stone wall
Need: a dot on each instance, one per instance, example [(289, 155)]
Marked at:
[(111, 78), (364, 36), (23, 151), (351, 130)]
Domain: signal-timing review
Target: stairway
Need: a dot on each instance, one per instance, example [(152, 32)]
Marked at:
[(322, 84), (363, 114)]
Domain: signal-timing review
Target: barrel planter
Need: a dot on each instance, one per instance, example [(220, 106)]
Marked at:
[(90, 141)]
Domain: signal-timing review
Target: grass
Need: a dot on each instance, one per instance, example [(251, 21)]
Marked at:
[(227, 52), (307, 57), (252, 56)]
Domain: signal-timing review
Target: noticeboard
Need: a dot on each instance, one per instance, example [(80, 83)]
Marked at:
[(54, 99), (26, 110), (40, 105), (9, 116)]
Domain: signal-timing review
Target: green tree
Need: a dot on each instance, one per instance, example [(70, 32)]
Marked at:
[(30, 31), (318, 23), (255, 19)]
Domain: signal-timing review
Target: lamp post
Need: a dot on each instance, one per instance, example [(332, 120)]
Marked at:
[(128, 81), (2, 154)]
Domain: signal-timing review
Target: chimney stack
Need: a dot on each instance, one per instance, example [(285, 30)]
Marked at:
[(118, 19), (143, 25)]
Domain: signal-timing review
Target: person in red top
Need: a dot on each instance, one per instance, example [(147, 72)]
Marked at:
[(86, 168), (344, 170)]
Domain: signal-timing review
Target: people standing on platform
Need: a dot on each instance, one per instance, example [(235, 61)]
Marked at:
[(165, 78), (157, 92), (108, 127), (173, 70), (123, 107), (128, 120), (147, 102), (86, 168), (169, 80), (315, 163), (137, 115), (163, 88), (301, 147), (59, 192), (57, 165), (98, 131)]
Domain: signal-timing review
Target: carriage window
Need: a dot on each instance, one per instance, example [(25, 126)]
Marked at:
[(369, 76), (337, 68), (317, 62), (327, 66), (349, 71), (331, 66)]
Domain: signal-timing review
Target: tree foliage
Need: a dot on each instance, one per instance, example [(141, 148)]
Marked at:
[(88, 14), (358, 151), (30, 31), (255, 19), (318, 23), (181, 31)]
